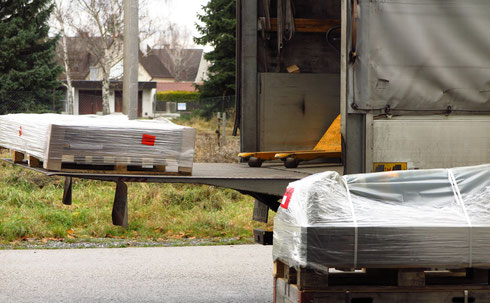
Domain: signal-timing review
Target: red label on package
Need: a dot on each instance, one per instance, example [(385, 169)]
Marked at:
[(287, 197), (148, 140)]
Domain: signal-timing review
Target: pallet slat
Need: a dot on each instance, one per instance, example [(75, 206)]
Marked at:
[(290, 293), (310, 279), (69, 164), (380, 285)]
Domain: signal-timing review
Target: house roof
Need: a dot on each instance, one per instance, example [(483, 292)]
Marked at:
[(154, 66), (158, 62), (190, 60), (79, 58)]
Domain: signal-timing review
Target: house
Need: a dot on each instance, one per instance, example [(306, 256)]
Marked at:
[(187, 67), (87, 97), (161, 69), (87, 85)]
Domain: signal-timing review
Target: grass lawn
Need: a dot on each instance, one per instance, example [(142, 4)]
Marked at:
[(31, 208)]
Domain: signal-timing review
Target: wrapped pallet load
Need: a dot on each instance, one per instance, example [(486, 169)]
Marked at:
[(421, 218), (99, 141)]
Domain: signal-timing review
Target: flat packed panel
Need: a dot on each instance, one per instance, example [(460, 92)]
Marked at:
[(414, 218), (98, 140)]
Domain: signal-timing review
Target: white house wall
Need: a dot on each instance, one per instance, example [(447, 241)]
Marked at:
[(202, 72), (112, 101), (169, 80), (75, 101), (148, 95), (143, 74), (116, 73), (147, 101)]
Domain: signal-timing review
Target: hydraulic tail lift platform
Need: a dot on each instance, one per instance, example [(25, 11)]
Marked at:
[(266, 184)]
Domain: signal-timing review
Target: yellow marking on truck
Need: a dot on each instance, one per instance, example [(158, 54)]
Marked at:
[(389, 166)]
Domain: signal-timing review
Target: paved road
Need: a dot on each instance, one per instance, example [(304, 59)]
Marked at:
[(166, 274)]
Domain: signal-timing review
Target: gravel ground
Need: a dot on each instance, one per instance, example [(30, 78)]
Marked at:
[(116, 243)]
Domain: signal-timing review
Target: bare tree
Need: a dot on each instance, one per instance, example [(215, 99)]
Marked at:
[(100, 25), (61, 16), (176, 41)]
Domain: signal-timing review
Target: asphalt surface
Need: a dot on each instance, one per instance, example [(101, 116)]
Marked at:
[(240, 273)]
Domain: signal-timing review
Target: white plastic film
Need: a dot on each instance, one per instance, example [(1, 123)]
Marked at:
[(419, 218), (98, 140)]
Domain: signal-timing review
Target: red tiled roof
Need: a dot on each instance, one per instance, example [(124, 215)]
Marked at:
[(175, 86)]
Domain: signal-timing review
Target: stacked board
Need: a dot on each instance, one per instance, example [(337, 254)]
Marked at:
[(64, 143), (436, 218)]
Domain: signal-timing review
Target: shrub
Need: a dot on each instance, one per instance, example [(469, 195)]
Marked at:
[(177, 96)]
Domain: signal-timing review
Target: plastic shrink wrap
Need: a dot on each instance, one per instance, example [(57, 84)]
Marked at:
[(98, 140), (420, 218)]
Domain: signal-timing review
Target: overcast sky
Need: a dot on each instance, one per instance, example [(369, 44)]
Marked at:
[(182, 12)]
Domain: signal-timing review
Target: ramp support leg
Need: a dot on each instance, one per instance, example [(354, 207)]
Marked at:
[(271, 201), (67, 191), (261, 211), (120, 207)]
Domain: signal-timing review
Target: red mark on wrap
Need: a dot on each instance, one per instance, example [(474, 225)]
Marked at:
[(20, 131), (287, 197), (148, 140)]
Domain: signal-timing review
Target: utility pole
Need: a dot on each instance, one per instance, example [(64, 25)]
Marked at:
[(131, 49)]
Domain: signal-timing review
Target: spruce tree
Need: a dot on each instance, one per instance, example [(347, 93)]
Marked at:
[(219, 31), (28, 69)]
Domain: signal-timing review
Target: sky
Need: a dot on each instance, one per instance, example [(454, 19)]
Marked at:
[(181, 12)]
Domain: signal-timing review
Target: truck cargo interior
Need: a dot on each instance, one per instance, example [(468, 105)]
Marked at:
[(288, 73)]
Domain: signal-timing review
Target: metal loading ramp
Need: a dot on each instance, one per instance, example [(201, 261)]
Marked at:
[(266, 184)]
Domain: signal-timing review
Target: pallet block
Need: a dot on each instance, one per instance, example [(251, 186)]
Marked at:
[(308, 278), (380, 285), (17, 157)]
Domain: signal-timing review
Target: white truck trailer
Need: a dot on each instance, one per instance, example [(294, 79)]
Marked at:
[(411, 80)]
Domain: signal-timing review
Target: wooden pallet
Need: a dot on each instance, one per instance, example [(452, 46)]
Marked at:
[(110, 168), (374, 285)]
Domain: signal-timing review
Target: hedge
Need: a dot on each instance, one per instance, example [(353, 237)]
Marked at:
[(177, 96)]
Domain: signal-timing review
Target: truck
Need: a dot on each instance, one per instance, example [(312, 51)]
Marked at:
[(409, 78), (411, 82)]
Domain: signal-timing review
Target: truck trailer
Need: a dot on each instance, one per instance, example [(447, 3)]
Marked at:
[(409, 78), (411, 82)]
